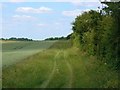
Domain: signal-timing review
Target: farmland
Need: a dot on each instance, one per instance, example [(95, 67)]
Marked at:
[(60, 66), (80, 47), (15, 51)]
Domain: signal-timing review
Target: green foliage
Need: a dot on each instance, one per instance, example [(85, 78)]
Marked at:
[(56, 38), (60, 38), (16, 39), (99, 34)]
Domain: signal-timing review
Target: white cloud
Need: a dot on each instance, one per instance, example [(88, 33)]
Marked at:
[(49, 24), (22, 17), (71, 0), (86, 4), (73, 13), (34, 10), (49, 0), (82, 3), (57, 23), (42, 24)]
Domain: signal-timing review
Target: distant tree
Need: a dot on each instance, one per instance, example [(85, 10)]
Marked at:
[(2, 39), (13, 39), (56, 38), (17, 39)]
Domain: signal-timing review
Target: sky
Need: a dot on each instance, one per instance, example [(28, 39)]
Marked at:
[(43, 19)]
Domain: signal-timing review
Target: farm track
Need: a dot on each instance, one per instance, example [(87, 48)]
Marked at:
[(46, 83), (70, 84), (51, 76)]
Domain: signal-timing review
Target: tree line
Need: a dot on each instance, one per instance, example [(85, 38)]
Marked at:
[(98, 34), (59, 38), (16, 39)]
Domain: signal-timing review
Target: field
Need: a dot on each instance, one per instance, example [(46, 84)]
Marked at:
[(15, 51), (60, 66)]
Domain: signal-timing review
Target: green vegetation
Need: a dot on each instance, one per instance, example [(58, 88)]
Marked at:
[(16, 39), (59, 38), (89, 59), (60, 66), (98, 34), (14, 52)]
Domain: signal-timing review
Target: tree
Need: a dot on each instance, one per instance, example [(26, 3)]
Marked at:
[(99, 34)]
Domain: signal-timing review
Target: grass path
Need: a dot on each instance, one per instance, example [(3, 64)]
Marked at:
[(45, 84), (70, 84)]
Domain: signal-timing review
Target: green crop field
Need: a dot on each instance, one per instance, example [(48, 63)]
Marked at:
[(60, 66), (13, 52)]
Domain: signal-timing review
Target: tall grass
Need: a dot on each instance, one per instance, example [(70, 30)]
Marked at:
[(60, 66)]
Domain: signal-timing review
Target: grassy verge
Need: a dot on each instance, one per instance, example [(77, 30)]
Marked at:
[(61, 66)]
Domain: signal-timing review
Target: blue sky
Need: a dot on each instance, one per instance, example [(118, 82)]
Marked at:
[(40, 20)]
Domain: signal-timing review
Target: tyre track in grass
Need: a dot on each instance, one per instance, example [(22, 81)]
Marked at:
[(70, 84), (46, 83)]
